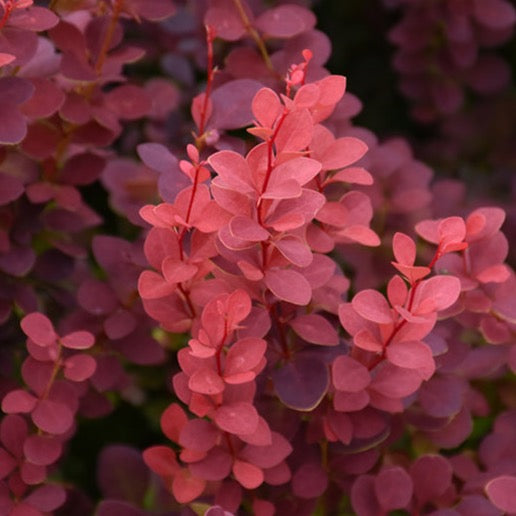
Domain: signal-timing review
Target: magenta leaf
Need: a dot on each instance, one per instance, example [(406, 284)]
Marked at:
[(47, 498), (270, 455), (289, 285), (442, 396), (294, 250), (285, 21), (362, 499), (302, 383), (309, 481), (396, 382), (10, 188), (42, 450), (199, 434), (316, 329), (502, 492), (371, 305), (432, 476), (18, 402), (52, 417), (349, 375), (237, 418), (38, 328), (393, 488)]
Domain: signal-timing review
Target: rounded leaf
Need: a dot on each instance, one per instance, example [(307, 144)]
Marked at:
[(502, 493), (237, 418), (52, 417), (38, 328)]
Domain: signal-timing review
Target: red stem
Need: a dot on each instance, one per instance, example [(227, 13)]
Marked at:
[(7, 12)]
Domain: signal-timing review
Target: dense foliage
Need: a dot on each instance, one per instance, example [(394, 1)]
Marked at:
[(220, 294)]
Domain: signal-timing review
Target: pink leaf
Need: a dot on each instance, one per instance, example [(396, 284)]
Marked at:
[(79, 367), (268, 456), (364, 339), (412, 354), (343, 152), (294, 250), (78, 340), (356, 175), (371, 305), (38, 328), (157, 157), (397, 291), (247, 474), (285, 21), (266, 107), (237, 418), (172, 421), (502, 492), (436, 294), (404, 249), (316, 329), (349, 375), (396, 382), (495, 14), (295, 132), (232, 169), (289, 285), (248, 229)]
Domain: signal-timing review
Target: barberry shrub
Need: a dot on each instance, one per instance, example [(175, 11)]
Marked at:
[(220, 295)]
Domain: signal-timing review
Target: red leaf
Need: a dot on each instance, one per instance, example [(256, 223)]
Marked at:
[(38, 328), (316, 329), (52, 417), (176, 271), (371, 305), (199, 435), (152, 285), (206, 381), (186, 487), (161, 459), (412, 354), (248, 475), (244, 355), (289, 285), (172, 421), (349, 375), (237, 418)]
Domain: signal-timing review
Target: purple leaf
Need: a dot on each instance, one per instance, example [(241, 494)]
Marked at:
[(302, 383), (232, 104), (10, 188), (47, 498), (432, 476), (309, 481)]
